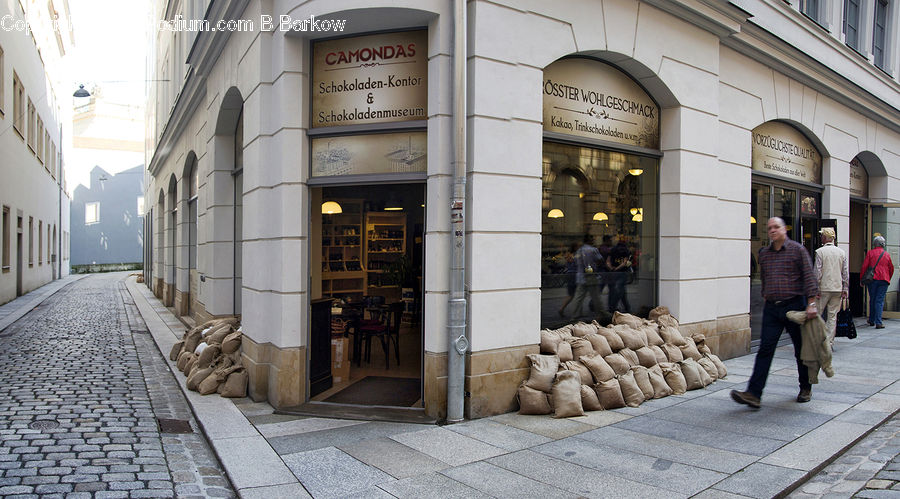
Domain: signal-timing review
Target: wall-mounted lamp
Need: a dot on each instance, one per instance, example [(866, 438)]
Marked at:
[(555, 213), (331, 208), (81, 92), (600, 216)]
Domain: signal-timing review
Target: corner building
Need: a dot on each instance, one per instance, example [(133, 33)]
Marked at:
[(304, 179)]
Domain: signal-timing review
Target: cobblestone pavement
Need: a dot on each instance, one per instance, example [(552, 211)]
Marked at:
[(81, 387)]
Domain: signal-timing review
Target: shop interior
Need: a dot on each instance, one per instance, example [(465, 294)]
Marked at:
[(366, 261)]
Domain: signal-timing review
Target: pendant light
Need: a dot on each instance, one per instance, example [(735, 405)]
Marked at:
[(635, 171), (600, 216), (555, 213), (331, 208)]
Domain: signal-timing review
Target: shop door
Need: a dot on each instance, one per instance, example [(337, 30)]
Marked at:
[(859, 242), (759, 214)]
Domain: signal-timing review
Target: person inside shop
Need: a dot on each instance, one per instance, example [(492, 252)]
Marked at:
[(879, 259), (619, 263), (833, 276), (605, 247), (571, 272), (587, 276), (788, 283)]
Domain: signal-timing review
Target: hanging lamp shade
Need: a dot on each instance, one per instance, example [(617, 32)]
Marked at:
[(635, 171), (752, 219), (600, 216), (555, 213), (639, 216), (331, 208)]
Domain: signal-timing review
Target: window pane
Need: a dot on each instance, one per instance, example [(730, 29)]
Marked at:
[(91, 213), (878, 38), (611, 197)]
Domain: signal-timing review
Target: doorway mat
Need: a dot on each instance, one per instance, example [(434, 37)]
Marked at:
[(360, 412), (380, 390)]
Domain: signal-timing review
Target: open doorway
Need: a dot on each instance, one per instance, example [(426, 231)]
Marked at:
[(366, 261)]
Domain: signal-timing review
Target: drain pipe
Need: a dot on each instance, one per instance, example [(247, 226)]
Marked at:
[(456, 327)]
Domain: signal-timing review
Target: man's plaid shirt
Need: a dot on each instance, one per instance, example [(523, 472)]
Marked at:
[(787, 273)]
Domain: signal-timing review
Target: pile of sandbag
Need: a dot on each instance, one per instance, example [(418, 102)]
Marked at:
[(591, 367), (210, 356)]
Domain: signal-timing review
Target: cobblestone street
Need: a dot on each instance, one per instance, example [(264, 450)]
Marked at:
[(81, 387)]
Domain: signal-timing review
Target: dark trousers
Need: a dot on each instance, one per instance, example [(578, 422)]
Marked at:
[(774, 322)]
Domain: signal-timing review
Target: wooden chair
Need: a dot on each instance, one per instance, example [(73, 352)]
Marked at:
[(387, 330)]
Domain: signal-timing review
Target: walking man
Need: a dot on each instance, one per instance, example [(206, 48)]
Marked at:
[(788, 283), (833, 276), (587, 261)]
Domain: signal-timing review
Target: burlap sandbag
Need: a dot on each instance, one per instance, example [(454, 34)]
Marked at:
[(704, 349), (689, 349), (589, 400), (566, 395), (236, 384), (197, 377), (720, 366), (631, 392), (709, 367), (543, 369), (666, 320), (549, 342), (674, 378), (582, 329), (564, 351), (673, 353), (691, 371), (232, 342), (600, 369), (652, 333), (630, 356), (617, 363), (577, 366), (581, 347), (659, 353), (219, 336), (671, 335), (216, 329), (631, 320), (630, 337), (705, 377), (208, 355), (182, 360), (192, 360), (599, 343), (642, 378), (658, 311), (658, 380), (615, 342), (176, 350), (609, 394), (532, 401), (646, 357), (209, 384), (191, 342)]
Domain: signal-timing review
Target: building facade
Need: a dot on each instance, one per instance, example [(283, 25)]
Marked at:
[(107, 218), (319, 162), (35, 226)]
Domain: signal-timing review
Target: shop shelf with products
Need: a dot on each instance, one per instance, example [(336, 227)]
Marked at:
[(385, 251), (343, 274)]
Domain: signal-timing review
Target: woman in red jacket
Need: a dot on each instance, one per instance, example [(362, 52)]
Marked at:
[(884, 270)]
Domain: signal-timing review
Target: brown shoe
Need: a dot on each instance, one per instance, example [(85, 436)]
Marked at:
[(745, 398), (804, 395), (879, 326)]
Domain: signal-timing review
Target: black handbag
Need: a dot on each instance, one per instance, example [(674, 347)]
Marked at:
[(844, 327), (869, 275)]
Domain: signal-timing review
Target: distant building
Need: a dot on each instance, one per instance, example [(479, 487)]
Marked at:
[(106, 218), (34, 206)]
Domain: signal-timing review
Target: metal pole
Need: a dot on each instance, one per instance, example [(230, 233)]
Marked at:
[(456, 327)]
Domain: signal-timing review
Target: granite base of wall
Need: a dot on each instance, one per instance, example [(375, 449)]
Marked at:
[(276, 375), (727, 337), (158, 286), (181, 302)]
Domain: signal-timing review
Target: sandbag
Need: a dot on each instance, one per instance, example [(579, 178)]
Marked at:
[(630, 338), (609, 394), (581, 329), (689, 349), (589, 400), (176, 350), (617, 363), (691, 371), (631, 320), (646, 357), (653, 337), (672, 372), (192, 360), (566, 395), (673, 353), (532, 401), (671, 335), (236, 385), (642, 378), (549, 342), (232, 342), (543, 370), (720, 366), (630, 356), (581, 347), (564, 351), (615, 342), (216, 329), (666, 320), (599, 344), (577, 366), (191, 342), (182, 360), (600, 369), (201, 347), (705, 377), (658, 380), (631, 392), (219, 335), (709, 367), (659, 353), (208, 355), (197, 377), (209, 384), (658, 311)]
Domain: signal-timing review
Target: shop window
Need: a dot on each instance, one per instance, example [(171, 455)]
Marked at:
[(851, 23), (610, 197), (91, 213), (879, 31)]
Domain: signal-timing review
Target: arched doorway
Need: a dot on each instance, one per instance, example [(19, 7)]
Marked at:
[(228, 169), (171, 241), (189, 225)]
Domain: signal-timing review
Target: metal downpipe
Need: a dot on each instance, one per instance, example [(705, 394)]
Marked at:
[(456, 327)]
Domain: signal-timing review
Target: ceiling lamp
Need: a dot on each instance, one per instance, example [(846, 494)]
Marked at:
[(752, 219), (555, 213), (393, 203), (331, 208), (634, 211), (638, 215), (635, 171), (600, 216)]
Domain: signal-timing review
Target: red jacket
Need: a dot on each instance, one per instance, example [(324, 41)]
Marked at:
[(885, 269)]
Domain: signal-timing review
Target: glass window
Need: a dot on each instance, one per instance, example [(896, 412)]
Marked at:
[(18, 105), (91, 213), (609, 199), (851, 23), (878, 35), (810, 8), (5, 262), (140, 206)]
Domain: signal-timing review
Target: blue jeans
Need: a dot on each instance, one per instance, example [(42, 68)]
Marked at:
[(774, 322), (877, 290)]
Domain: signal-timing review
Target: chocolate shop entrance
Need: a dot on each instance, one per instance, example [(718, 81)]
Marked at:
[(366, 264)]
